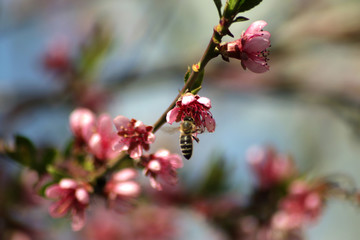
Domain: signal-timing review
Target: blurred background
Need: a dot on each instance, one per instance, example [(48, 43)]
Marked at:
[(130, 58)]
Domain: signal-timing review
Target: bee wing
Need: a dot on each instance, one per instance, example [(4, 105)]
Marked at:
[(170, 130)]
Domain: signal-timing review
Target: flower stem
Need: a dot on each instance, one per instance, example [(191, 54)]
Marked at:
[(219, 31)]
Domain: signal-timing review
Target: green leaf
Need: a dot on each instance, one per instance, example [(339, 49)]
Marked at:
[(48, 157), (187, 74), (233, 6), (215, 179), (27, 155), (247, 5), (43, 188), (197, 84), (56, 173), (69, 148), (196, 90), (95, 49), (218, 5), (88, 164), (24, 152), (240, 19)]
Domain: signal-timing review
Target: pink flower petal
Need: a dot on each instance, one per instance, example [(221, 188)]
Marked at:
[(121, 122), (298, 187), (105, 128), (111, 154), (171, 116), (161, 153), (150, 138), (281, 220), (95, 145), (82, 195), (256, 44), (140, 126), (82, 122), (154, 166), (61, 207), (255, 27), (210, 123), (205, 101), (120, 146), (155, 184), (187, 99), (255, 156), (313, 201), (127, 189), (176, 161), (124, 174), (54, 191), (136, 152), (67, 183), (256, 66), (78, 220)]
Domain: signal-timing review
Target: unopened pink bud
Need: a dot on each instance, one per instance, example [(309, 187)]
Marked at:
[(82, 123)]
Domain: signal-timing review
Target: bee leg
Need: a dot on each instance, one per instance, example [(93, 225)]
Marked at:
[(196, 139)]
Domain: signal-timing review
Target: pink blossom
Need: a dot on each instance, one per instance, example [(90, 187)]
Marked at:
[(270, 167), (72, 197), (161, 167), (302, 205), (121, 187), (103, 139), (91, 96), (57, 58), (251, 48), (197, 108), (145, 222), (134, 136), (251, 228), (82, 123), (20, 235)]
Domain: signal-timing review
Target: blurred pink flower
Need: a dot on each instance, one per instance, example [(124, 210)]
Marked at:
[(197, 108), (302, 205), (72, 197), (57, 57), (104, 137), (270, 167), (121, 187), (82, 123), (251, 48), (90, 96), (134, 136), (250, 228), (161, 167), (145, 222), (20, 235)]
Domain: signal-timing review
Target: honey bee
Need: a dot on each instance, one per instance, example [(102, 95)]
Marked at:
[(187, 129)]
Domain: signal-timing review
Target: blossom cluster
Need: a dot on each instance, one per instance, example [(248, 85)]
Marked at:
[(105, 139), (96, 133), (72, 197), (269, 167), (302, 201), (96, 136)]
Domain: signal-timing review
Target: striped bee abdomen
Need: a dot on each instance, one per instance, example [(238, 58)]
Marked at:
[(186, 145)]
